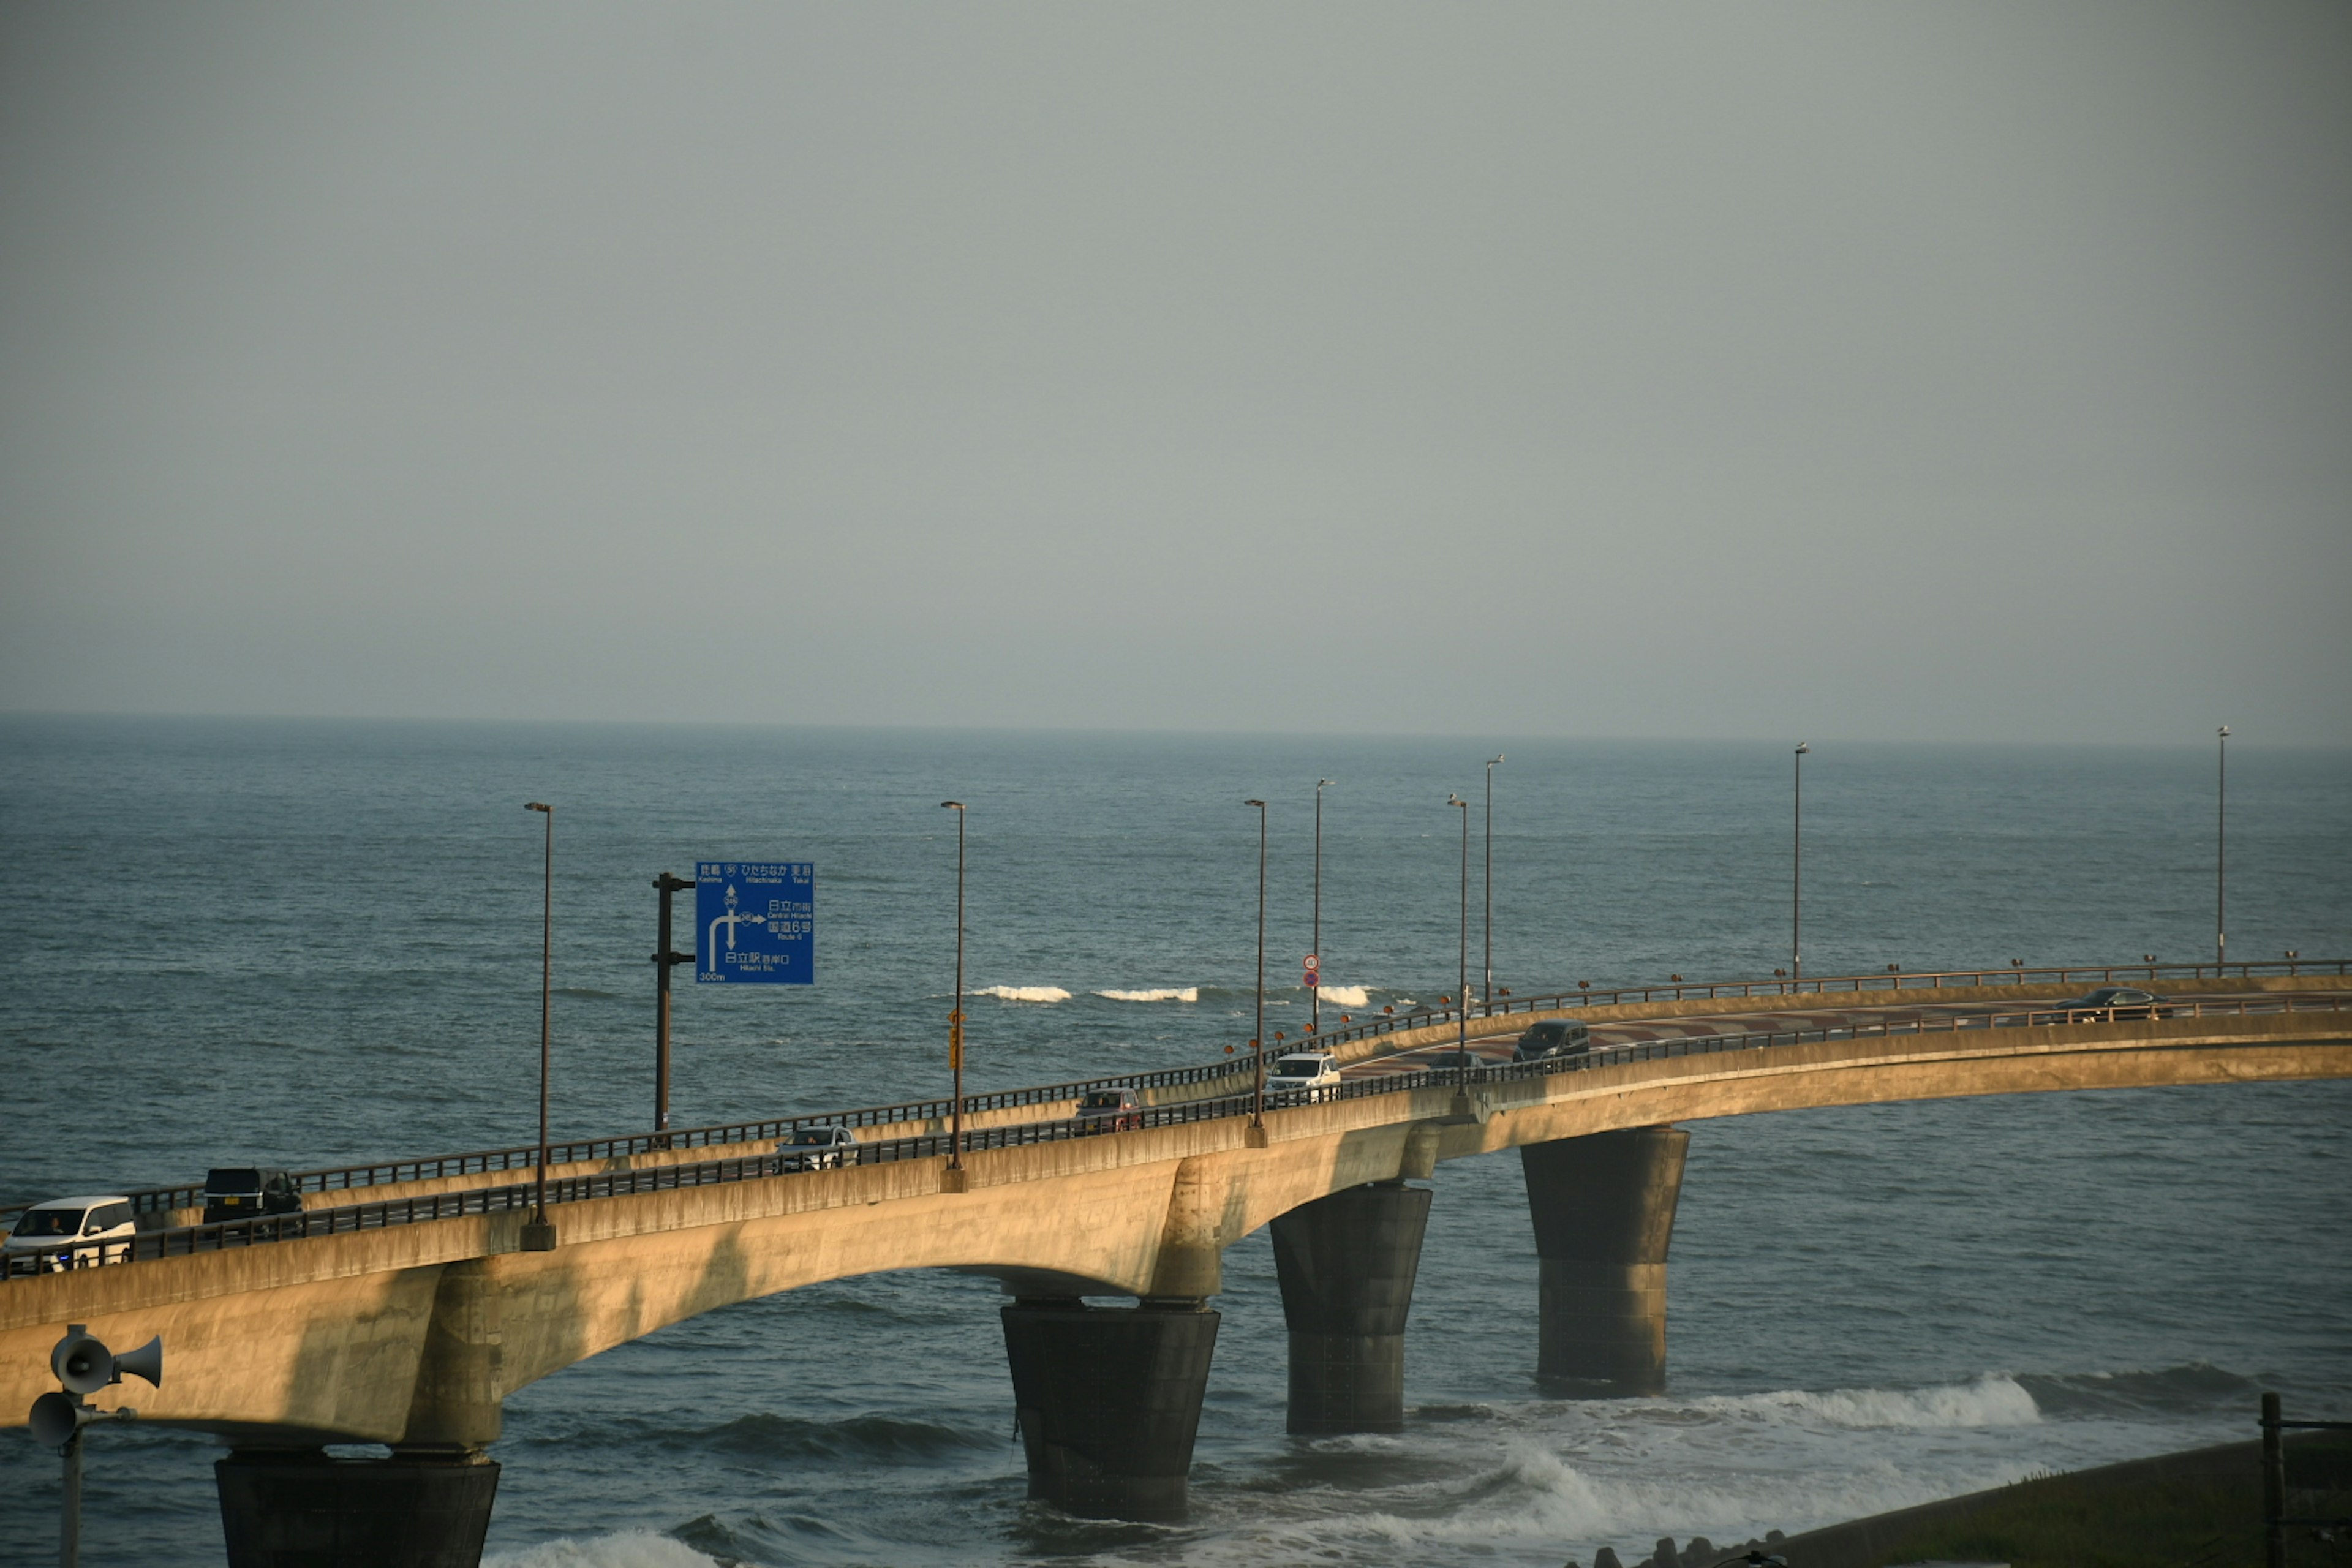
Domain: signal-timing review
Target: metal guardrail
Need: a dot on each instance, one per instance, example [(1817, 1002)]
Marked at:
[(525, 1157), (2276, 1521), (188, 1240), (431, 1167), (1679, 990)]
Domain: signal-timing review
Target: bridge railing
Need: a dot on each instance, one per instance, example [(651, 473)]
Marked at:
[(191, 1239), (1680, 990), (524, 1157)]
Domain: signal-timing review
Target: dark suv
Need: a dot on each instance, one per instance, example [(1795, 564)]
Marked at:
[(1553, 1037), (246, 1192), (1108, 1111)]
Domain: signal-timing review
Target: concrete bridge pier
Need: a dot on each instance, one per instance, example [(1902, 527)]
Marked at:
[(298, 1508), (1603, 1207), (426, 1505), (1347, 1264), (1108, 1400)]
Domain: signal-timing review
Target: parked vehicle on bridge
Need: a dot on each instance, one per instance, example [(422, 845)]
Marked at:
[(1552, 1037), (248, 1192), (822, 1148), (1108, 1111), (2119, 1001), (1298, 1076), (73, 1233)]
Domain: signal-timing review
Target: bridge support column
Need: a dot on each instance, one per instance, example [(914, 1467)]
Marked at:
[(1603, 1207), (299, 1509), (1346, 1265), (1109, 1401)]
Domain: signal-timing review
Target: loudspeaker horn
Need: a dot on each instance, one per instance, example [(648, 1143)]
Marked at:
[(146, 1362), (81, 1362), (55, 1418)]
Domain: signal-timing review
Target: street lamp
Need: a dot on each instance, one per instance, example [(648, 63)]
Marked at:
[(955, 1018), (1490, 880), (539, 1235), (1315, 992), (2220, 847), (1257, 1046), (1797, 879), (1462, 978)]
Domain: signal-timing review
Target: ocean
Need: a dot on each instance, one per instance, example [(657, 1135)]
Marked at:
[(311, 943)]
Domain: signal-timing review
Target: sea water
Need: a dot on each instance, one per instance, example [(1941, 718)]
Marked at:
[(306, 943)]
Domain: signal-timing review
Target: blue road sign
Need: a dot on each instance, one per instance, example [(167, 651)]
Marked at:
[(755, 921)]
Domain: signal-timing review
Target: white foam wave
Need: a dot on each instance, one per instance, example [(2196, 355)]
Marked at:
[(1164, 993), (1993, 1400), (630, 1549), (1025, 992), (1347, 997)]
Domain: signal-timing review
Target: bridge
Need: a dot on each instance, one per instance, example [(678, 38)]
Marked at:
[(401, 1306)]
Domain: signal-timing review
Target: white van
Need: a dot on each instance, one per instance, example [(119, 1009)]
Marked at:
[(73, 1233)]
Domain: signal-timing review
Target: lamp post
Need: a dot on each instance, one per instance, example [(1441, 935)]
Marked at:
[(1462, 978), (1315, 992), (955, 1018), (1257, 1040), (1489, 996), (2220, 847), (1797, 879), (539, 1235)]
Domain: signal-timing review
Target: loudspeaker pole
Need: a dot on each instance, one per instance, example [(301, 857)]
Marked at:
[(69, 1518), (664, 960)]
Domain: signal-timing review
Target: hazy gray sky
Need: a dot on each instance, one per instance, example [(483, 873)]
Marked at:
[(1870, 370)]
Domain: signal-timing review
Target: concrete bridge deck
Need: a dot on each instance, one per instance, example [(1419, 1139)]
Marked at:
[(323, 1333), (407, 1322)]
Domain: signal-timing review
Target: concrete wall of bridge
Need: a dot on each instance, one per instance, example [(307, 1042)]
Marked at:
[(412, 1333)]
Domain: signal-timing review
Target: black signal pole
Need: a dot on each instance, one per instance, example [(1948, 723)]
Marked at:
[(664, 961)]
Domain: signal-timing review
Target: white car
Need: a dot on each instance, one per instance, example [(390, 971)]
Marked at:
[(74, 1233), (816, 1149), (1295, 1075)]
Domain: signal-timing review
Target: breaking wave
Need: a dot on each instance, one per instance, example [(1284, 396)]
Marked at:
[(1348, 995), (1025, 992), (1164, 993), (1996, 1399), (631, 1549)]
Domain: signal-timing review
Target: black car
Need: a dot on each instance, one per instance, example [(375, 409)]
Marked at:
[(2118, 1002), (1553, 1037), (247, 1191)]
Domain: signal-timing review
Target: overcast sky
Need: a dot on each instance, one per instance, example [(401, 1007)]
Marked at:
[(1867, 371)]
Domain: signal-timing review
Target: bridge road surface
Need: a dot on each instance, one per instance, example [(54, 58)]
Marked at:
[(1494, 1046)]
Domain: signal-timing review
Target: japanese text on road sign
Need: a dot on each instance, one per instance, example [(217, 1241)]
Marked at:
[(756, 923)]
